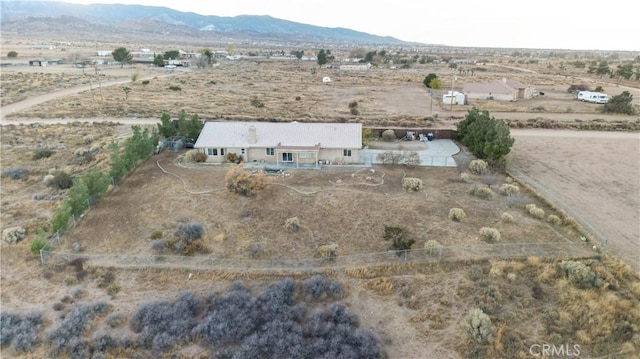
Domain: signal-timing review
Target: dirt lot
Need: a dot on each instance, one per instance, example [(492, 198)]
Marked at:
[(596, 173)]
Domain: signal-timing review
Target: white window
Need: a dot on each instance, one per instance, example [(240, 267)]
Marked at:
[(270, 151), (287, 157), (346, 153), (212, 151)]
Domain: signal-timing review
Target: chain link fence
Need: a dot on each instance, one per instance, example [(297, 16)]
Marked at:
[(448, 253)]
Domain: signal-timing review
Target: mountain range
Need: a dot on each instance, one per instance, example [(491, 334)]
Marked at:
[(114, 21)]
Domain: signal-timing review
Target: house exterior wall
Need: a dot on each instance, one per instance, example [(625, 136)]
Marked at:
[(259, 154), (496, 96)]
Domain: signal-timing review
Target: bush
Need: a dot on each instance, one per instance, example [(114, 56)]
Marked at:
[(13, 235), (189, 232), (201, 157), (398, 238), (508, 189), (16, 173), (12, 54), (479, 326), (412, 184), (389, 135), (68, 335), (486, 137), (42, 152), (464, 177), (61, 180), (482, 192), (581, 275), (433, 248), (190, 156), (506, 217), (317, 288), (490, 234), (39, 243), (156, 234), (292, 224), (175, 88), (534, 211), (457, 214), (115, 319), (19, 332), (245, 183), (553, 219), (478, 167)]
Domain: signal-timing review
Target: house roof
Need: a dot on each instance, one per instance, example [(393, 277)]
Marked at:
[(280, 134), (495, 87)]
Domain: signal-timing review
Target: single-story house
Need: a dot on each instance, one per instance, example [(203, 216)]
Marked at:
[(357, 67), (504, 90), (39, 62), (282, 143)]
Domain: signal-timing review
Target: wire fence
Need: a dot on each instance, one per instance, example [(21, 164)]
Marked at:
[(514, 172), (448, 253)]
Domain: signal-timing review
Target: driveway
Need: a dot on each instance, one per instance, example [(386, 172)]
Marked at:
[(436, 153)]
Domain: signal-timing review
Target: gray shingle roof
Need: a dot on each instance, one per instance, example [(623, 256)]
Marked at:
[(273, 134)]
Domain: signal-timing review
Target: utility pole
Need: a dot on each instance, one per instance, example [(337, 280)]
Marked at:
[(453, 79)]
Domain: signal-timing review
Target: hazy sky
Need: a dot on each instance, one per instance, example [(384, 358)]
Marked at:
[(549, 24)]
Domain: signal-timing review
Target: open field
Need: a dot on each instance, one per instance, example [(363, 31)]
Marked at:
[(416, 310)]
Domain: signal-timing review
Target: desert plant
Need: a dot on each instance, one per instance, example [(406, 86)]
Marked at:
[(317, 288), (292, 224), (490, 234), (486, 137), (20, 331), (433, 248), (68, 335), (12, 54), (535, 211), (201, 157), (479, 326), (189, 232), (16, 173), (457, 214), (327, 251), (581, 275), (389, 135), (508, 189), (506, 217), (245, 183), (478, 167), (464, 177), (482, 192), (39, 243), (257, 103), (41, 152), (398, 238), (412, 184), (61, 180), (232, 157), (553, 219), (115, 319), (156, 235), (175, 88)]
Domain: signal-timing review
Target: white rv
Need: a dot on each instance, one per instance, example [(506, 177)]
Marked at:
[(593, 97)]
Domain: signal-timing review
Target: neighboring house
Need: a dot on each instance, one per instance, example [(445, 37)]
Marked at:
[(282, 143), (42, 47), (103, 53), (39, 62), (358, 67), (504, 90)]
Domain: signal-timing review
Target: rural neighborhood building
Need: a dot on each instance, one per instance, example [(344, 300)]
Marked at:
[(502, 90), (282, 143), (455, 98), (39, 62), (357, 67)]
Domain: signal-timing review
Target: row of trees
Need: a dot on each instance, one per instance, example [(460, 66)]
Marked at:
[(124, 56), (189, 129)]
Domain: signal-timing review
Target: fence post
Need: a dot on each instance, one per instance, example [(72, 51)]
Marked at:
[(41, 256)]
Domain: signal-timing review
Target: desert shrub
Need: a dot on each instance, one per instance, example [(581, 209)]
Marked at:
[(389, 135), (412, 184), (61, 180), (327, 251), (553, 219), (292, 224), (159, 246), (581, 275), (189, 232), (48, 180), (156, 234), (68, 336), (433, 248), (19, 331), (115, 319), (163, 325), (478, 167), (535, 211), (88, 139), (232, 157), (77, 292), (464, 177), (506, 217), (490, 234), (578, 87), (41, 152), (479, 326), (201, 157), (476, 272), (508, 189), (257, 103), (457, 214), (317, 288), (13, 235), (190, 156), (175, 88), (482, 192), (245, 183), (398, 238), (16, 173), (517, 200)]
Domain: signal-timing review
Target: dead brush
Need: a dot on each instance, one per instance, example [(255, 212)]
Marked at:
[(381, 286)]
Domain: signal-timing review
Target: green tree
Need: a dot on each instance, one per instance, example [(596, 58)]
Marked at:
[(194, 127), (12, 54), (486, 137), (77, 197), (122, 55), (171, 55), (297, 53), (324, 57), (621, 103), (369, 56), (97, 183), (625, 71), (39, 243), (158, 61), (166, 128), (208, 54), (398, 238), (427, 80), (435, 84), (603, 68)]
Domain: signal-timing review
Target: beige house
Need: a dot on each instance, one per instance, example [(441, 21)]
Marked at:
[(503, 90), (282, 143)]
